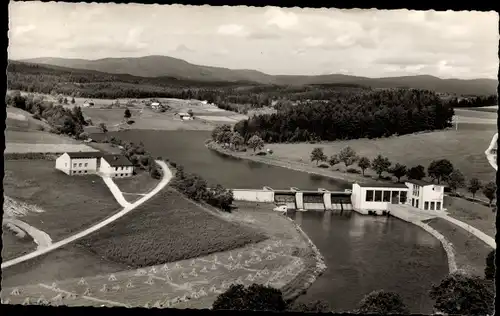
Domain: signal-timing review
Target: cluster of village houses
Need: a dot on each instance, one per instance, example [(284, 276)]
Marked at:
[(83, 163)]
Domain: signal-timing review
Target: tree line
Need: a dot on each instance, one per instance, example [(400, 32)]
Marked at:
[(62, 120), (370, 114), (440, 170), (474, 102)]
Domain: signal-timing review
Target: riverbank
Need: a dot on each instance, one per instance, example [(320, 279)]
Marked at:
[(458, 255)]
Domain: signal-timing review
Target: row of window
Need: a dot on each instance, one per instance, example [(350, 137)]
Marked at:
[(120, 168), (78, 171), (432, 204), (385, 196), (79, 164)]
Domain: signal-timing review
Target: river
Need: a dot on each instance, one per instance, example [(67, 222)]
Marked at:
[(362, 253)]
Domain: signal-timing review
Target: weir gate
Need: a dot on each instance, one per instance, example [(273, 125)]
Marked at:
[(297, 199)]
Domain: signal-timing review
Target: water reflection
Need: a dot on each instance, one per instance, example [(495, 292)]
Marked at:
[(327, 221)]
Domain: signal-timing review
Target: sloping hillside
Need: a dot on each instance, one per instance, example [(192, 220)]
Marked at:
[(157, 66)]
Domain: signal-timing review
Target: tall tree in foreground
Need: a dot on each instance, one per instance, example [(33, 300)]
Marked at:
[(382, 303), (416, 173), (489, 270), (381, 164), (461, 294), (474, 186), (318, 155), (490, 191), (255, 142), (440, 170), (254, 298), (364, 163), (348, 156), (456, 180), (398, 171)]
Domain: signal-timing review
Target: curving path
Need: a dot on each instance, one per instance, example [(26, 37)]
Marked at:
[(115, 190), (167, 176), (42, 239)]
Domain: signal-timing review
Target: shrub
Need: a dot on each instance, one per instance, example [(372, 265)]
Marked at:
[(324, 166), (261, 153), (36, 117), (254, 298)]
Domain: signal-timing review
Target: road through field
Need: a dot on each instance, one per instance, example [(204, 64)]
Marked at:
[(167, 176)]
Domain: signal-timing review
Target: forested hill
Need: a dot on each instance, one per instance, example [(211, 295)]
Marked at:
[(368, 114), (160, 66)]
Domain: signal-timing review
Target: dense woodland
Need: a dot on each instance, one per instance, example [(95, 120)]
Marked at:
[(368, 114), (234, 96), (473, 102)]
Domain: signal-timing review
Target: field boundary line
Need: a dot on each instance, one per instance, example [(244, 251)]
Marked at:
[(90, 298), (167, 176)]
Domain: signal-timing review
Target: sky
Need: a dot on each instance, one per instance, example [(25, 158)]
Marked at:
[(287, 41)]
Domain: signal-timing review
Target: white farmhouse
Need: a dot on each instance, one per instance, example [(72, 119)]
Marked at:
[(425, 196), (116, 166), (376, 197), (78, 163)]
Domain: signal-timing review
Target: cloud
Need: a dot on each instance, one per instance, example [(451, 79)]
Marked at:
[(232, 29), (373, 43), (280, 18)]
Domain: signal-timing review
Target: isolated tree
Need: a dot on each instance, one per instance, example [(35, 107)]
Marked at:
[(348, 156), (237, 140), (73, 100), (440, 170), (456, 180), (255, 298), (333, 160), (65, 101), (255, 142), (489, 270), (381, 164), (474, 186), (416, 173), (60, 99), (364, 163), (318, 155), (461, 294), (191, 113), (127, 114), (317, 306), (398, 171), (382, 303), (490, 191), (103, 127)]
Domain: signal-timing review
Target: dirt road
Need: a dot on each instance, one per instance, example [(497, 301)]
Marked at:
[(167, 176)]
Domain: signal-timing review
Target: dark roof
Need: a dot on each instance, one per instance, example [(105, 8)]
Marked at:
[(84, 154), (422, 183), (382, 185), (117, 160)]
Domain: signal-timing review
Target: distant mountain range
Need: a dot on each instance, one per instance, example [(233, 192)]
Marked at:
[(160, 66)]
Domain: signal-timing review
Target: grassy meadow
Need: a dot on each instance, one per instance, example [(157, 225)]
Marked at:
[(167, 228), (70, 204)]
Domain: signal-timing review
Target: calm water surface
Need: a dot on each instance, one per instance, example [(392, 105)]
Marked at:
[(362, 253)]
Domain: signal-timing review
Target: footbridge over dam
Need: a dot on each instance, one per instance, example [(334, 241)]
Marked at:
[(297, 199)]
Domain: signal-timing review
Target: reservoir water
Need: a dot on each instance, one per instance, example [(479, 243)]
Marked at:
[(362, 253)]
